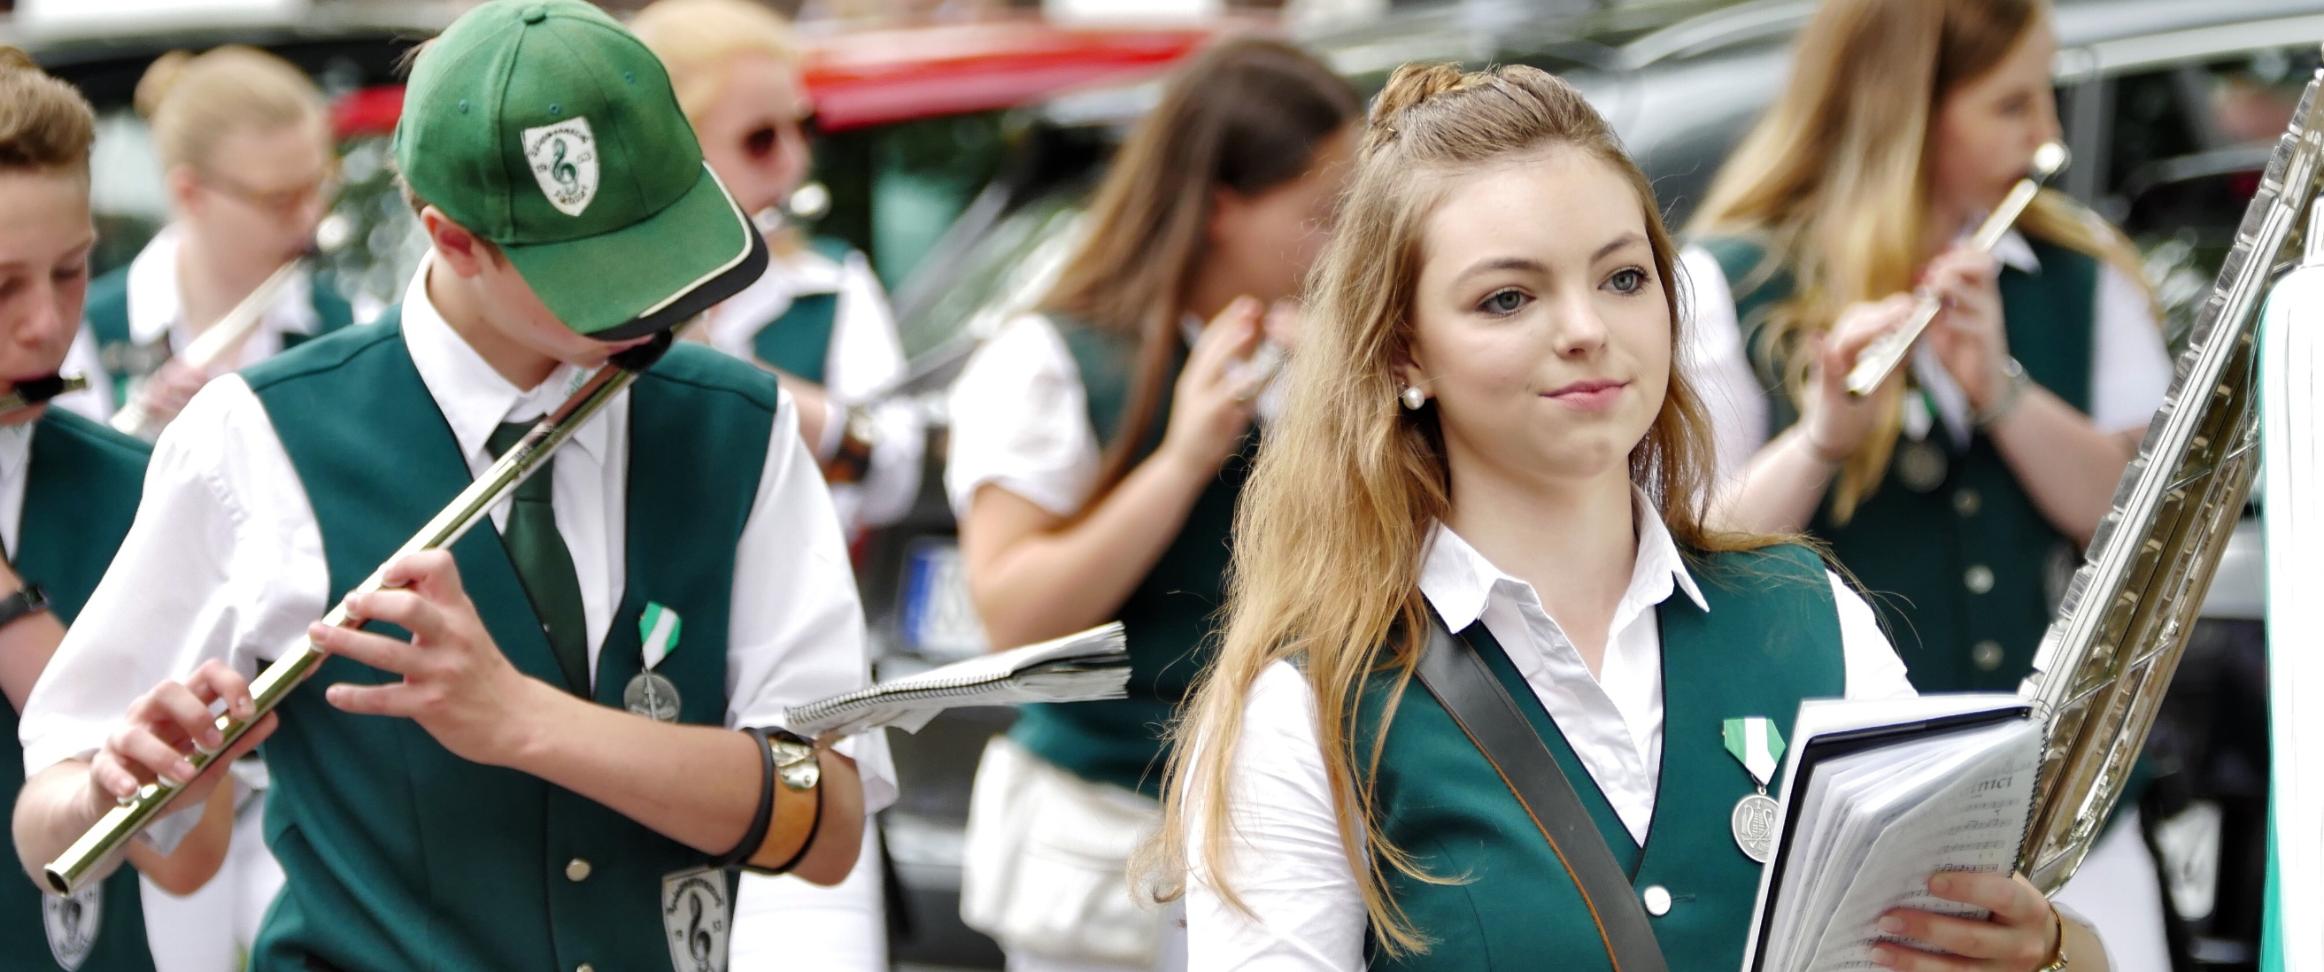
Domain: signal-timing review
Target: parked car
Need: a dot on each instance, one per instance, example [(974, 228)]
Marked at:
[(2145, 92)]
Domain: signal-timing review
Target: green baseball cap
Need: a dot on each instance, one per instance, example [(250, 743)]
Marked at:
[(546, 128)]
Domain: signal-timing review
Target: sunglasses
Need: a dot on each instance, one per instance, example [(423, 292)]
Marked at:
[(765, 140)]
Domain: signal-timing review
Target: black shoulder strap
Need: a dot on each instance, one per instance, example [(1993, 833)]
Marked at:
[(1458, 678)]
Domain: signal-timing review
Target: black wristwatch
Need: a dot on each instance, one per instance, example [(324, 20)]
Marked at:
[(24, 603)]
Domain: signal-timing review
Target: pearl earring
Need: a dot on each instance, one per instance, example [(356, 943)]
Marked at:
[(1412, 397)]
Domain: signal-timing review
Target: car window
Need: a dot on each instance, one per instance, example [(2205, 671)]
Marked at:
[(2185, 147), (894, 189)]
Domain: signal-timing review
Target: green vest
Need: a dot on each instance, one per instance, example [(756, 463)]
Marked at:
[(1168, 617), (80, 494), (400, 855), (1965, 573), (1770, 640), (798, 342), (126, 362)]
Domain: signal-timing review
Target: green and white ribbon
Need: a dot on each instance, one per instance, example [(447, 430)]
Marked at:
[(658, 628), (1756, 743)]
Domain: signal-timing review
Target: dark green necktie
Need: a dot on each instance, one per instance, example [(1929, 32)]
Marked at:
[(543, 563)]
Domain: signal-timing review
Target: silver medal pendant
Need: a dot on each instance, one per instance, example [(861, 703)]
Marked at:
[(650, 695), (1754, 825), (1920, 465)]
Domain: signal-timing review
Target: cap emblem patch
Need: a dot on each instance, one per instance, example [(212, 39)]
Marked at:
[(563, 157)]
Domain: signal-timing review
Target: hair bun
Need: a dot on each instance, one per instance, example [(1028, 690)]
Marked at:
[(159, 78), (1411, 86), (15, 59)]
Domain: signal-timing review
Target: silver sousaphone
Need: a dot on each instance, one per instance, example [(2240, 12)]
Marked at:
[(2107, 660)]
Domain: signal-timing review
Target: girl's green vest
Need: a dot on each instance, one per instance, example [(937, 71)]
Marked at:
[(798, 342), (1168, 617), (399, 855), (1770, 640), (1964, 572)]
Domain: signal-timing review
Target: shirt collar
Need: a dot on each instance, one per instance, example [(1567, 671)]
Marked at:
[(1458, 581), (473, 397), (2011, 249), (154, 300), (15, 450)]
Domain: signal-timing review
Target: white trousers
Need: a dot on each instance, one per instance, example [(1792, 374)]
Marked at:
[(211, 929), (787, 923)]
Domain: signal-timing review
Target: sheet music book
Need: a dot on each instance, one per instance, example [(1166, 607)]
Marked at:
[(1877, 796), (2292, 450), (1084, 667)]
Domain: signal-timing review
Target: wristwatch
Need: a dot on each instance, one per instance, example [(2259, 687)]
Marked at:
[(795, 760), (28, 601)]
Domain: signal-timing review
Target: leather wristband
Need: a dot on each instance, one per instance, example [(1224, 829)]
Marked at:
[(757, 833), (814, 827)]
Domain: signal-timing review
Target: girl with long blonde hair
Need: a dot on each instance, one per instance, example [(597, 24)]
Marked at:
[(818, 317), (1961, 492), (1098, 445), (1485, 432), (244, 139)]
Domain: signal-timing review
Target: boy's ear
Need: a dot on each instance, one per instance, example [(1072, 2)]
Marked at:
[(463, 252)]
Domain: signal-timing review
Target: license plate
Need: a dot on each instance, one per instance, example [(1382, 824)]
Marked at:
[(939, 620)]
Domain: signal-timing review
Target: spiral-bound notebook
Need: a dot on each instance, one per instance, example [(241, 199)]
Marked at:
[(1878, 795), (1084, 667)]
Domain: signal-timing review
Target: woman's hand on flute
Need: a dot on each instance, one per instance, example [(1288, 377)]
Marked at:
[(2020, 934), (1967, 335), (1837, 422), (456, 682)]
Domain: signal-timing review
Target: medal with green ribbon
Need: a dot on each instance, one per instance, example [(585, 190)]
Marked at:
[(650, 693), (1758, 745)]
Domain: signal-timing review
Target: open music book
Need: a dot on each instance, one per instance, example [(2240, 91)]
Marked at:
[(1084, 667), (1877, 796)]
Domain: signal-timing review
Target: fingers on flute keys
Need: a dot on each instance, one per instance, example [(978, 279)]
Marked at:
[(167, 725)]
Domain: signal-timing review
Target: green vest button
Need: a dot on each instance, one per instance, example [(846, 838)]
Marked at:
[(1979, 579), (1657, 900), (577, 870), (1986, 655), (1966, 502)]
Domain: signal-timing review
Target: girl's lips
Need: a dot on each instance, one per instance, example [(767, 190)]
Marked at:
[(1593, 395)]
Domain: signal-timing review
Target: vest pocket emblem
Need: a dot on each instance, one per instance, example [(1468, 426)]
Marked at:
[(72, 922), (696, 914)]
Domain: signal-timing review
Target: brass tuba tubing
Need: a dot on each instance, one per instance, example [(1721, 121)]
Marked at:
[(1881, 358), (85, 859)]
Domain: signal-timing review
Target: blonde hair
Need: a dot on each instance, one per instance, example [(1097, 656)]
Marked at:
[(1331, 528), (193, 101), (45, 125), (696, 38), (1246, 115), (1867, 82)]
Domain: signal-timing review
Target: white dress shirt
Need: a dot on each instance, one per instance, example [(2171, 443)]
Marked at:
[(2130, 369), (95, 402), (1288, 863), (15, 472), (864, 358), (225, 558)]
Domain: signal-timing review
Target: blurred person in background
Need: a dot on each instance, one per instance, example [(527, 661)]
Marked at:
[(68, 489), (1962, 491), (1098, 446), (245, 145), (818, 318)]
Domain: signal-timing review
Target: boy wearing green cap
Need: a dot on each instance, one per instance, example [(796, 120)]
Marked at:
[(527, 760)]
